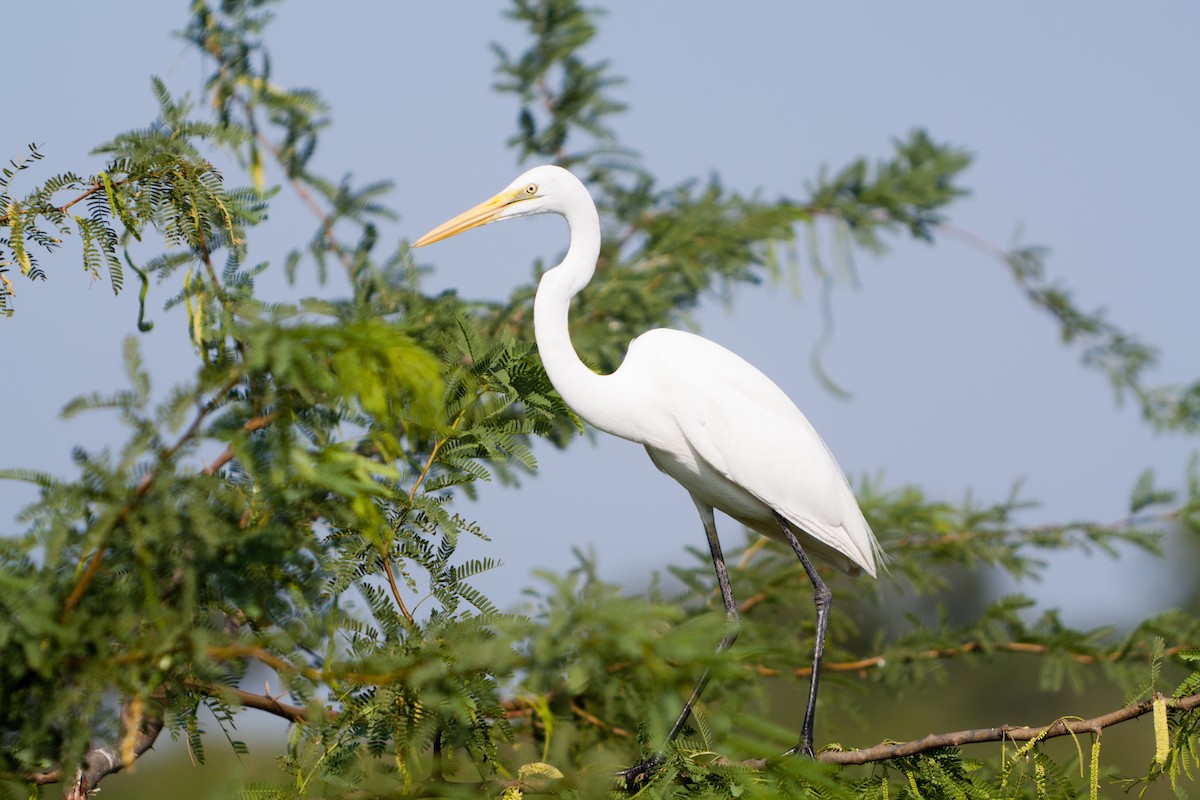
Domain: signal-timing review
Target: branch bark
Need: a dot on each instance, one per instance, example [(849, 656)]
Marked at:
[(141, 722), (142, 726), (262, 702), (1013, 733)]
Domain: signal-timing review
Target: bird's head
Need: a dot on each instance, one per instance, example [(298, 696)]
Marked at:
[(541, 190)]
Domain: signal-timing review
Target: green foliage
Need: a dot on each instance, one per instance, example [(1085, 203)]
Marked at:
[(293, 504), (561, 95), (1121, 356), (909, 191)]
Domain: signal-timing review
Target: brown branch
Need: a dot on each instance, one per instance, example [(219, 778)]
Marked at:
[(751, 602), (251, 425), (910, 540), (1013, 733), (395, 589), (97, 186), (264, 702), (592, 719), (879, 661), (1031, 648), (285, 667), (194, 426), (260, 702), (142, 489), (140, 728), (141, 723), (387, 566), (86, 578)]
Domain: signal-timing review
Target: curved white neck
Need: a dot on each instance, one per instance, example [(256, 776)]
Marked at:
[(590, 395)]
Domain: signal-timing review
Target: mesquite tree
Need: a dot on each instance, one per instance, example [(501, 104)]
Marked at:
[(277, 508)]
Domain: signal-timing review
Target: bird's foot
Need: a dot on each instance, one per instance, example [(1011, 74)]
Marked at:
[(802, 749), (637, 776)]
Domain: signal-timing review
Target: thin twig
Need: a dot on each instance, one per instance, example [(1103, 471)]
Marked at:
[(751, 602), (194, 426), (97, 186), (1032, 648), (973, 240), (285, 667), (204, 252), (412, 493), (1128, 521), (143, 487), (395, 589), (592, 719), (251, 425), (300, 189)]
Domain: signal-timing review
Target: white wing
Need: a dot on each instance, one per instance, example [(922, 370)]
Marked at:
[(746, 429)]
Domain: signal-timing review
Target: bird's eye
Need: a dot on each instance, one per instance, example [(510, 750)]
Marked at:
[(531, 189)]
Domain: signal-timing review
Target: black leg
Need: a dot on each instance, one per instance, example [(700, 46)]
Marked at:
[(732, 618), (822, 599), (635, 777)]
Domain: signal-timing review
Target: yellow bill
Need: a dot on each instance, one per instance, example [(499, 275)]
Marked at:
[(487, 211)]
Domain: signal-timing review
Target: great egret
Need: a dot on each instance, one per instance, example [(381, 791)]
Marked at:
[(707, 418)]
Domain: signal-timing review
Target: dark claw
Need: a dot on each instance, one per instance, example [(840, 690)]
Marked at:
[(636, 777), (801, 749)]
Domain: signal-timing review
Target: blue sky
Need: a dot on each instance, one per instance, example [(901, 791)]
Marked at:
[(1083, 118)]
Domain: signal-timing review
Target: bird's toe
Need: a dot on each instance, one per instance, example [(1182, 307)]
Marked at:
[(639, 775)]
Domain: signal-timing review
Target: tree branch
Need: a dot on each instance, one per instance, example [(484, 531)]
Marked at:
[(143, 487), (384, 557), (251, 425), (1031, 648), (592, 719), (1060, 727), (285, 667), (141, 722), (261, 702), (97, 186), (1128, 522)]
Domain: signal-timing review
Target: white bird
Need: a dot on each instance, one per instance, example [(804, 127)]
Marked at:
[(707, 418)]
